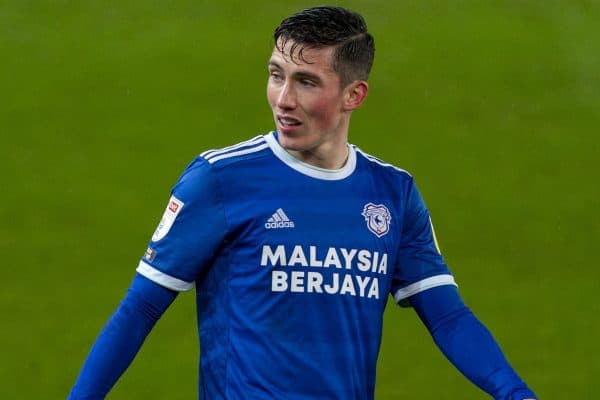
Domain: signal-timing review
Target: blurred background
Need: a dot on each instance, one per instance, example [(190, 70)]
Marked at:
[(493, 106)]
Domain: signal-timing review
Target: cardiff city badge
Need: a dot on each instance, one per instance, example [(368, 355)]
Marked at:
[(378, 218), (173, 208)]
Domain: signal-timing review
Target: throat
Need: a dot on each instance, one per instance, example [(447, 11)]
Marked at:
[(332, 160)]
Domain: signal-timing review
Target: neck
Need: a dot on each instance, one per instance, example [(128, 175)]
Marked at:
[(334, 159), (327, 151)]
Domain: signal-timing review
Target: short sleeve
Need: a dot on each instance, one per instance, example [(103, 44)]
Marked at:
[(420, 264), (190, 231)]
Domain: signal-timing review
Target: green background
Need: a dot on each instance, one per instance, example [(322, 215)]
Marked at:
[(493, 106)]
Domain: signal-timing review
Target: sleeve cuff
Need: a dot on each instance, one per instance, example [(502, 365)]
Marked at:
[(522, 394), (163, 279), (422, 285)]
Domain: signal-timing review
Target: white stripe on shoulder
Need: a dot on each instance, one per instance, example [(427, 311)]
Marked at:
[(380, 162), (163, 279), (420, 286), (216, 158), (255, 140)]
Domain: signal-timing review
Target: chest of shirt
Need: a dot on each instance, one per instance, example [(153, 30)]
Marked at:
[(311, 235)]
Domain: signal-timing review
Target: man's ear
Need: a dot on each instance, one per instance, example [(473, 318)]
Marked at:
[(355, 94)]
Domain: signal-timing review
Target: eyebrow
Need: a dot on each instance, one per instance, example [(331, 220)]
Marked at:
[(274, 64)]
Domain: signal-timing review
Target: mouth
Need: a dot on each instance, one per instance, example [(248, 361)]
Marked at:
[(288, 122)]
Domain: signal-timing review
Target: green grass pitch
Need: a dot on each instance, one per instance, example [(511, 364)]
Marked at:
[(493, 106)]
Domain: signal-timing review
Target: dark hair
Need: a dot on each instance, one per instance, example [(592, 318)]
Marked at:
[(331, 26)]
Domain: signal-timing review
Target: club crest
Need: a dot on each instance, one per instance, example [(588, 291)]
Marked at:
[(378, 218)]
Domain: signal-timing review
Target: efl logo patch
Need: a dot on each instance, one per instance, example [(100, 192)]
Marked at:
[(173, 208), (378, 218)]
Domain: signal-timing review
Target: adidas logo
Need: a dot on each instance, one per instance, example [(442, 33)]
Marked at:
[(279, 220)]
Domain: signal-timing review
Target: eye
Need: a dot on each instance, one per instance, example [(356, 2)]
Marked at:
[(308, 83), (274, 75)]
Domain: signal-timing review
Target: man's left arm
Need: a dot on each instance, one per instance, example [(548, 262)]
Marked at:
[(468, 344)]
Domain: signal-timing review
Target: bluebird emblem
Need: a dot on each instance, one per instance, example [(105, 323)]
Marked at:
[(378, 218)]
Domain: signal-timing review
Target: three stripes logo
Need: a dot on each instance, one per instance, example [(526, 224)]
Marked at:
[(279, 220)]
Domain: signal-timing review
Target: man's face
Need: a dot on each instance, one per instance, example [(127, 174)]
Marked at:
[(307, 101)]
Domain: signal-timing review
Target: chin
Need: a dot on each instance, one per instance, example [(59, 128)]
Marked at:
[(294, 143)]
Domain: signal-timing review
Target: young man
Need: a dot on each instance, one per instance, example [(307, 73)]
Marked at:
[(293, 240)]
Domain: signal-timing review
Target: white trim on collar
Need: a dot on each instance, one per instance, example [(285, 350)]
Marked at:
[(311, 170)]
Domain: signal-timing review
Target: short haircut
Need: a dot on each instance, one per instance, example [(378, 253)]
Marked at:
[(319, 27)]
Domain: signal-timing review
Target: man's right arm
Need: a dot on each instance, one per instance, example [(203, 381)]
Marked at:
[(121, 338), (191, 230)]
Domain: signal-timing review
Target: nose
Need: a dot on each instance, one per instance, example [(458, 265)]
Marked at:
[(287, 97)]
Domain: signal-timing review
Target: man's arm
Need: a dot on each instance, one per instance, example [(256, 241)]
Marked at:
[(468, 344), (121, 338)]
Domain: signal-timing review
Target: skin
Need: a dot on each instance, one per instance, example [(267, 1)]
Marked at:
[(311, 110)]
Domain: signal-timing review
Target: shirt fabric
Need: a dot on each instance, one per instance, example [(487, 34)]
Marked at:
[(292, 266)]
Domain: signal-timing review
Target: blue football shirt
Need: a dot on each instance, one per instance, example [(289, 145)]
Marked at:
[(292, 266)]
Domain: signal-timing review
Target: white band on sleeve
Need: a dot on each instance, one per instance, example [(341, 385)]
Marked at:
[(428, 283), (163, 279)]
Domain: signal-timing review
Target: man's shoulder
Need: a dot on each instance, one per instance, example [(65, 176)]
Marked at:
[(382, 167), (203, 170), (233, 154)]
